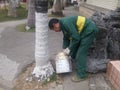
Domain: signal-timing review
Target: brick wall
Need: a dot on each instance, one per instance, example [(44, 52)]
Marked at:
[(113, 73), (118, 3)]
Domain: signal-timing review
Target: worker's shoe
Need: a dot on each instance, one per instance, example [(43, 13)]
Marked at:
[(77, 79)]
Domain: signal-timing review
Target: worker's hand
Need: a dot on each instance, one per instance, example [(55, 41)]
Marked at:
[(66, 51)]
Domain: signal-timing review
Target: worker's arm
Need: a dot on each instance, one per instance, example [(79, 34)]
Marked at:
[(66, 42), (75, 36)]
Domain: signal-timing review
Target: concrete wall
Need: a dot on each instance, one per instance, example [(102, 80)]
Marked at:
[(118, 3), (108, 4)]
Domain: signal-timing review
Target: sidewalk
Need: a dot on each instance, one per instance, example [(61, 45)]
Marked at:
[(17, 52), (94, 82), (66, 84)]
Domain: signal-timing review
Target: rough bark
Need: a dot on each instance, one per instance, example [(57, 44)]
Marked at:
[(63, 3), (18, 3), (31, 14), (27, 4), (57, 8), (106, 46), (12, 8), (113, 24)]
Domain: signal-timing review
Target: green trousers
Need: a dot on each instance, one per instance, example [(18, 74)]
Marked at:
[(80, 52)]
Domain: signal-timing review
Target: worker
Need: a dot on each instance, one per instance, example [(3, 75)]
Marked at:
[(78, 35)]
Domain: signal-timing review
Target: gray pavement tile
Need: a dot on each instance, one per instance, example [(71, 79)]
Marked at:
[(69, 85)]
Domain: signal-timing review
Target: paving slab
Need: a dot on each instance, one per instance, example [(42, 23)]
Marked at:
[(70, 85), (16, 52)]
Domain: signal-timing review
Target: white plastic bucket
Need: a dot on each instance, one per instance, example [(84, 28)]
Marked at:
[(63, 64)]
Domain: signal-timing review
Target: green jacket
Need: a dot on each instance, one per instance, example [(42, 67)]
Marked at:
[(72, 28)]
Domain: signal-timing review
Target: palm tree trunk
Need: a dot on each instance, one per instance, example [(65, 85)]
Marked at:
[(18, 3), (31, 14), (62, 6), (57, 8), (27, 4), (12, 8), (43, 68), (63, 3)]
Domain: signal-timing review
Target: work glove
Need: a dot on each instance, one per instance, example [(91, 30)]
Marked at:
[(66, 51)]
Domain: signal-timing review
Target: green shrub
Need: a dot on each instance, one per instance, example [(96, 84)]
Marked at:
[(21, 14), (21, 28)]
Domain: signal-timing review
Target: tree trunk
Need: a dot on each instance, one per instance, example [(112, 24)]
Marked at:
[(43, 68), (18, 3), (12, 8), (57, 8), (31, 13), (27, 4), (64, 3)]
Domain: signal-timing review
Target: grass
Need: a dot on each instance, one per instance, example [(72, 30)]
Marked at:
[(21, 28), (57, 16), (21, 14), (52, 79)]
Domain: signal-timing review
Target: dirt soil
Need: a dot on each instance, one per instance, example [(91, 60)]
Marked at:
[(22, 83)]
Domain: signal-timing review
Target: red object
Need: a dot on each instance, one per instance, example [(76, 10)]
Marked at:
[(24, 0), (113, 73)]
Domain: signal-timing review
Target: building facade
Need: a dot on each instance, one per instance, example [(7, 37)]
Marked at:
[(107, 4)]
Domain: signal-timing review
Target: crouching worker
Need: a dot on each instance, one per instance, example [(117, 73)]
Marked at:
[(79, 33)]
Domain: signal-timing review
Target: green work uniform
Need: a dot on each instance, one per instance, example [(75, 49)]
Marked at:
[(79, 33)]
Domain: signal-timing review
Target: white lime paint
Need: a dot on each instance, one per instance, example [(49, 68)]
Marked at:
[(43, 68)]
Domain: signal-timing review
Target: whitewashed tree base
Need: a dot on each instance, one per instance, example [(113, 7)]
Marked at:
[(43, 68), (44, 72)]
